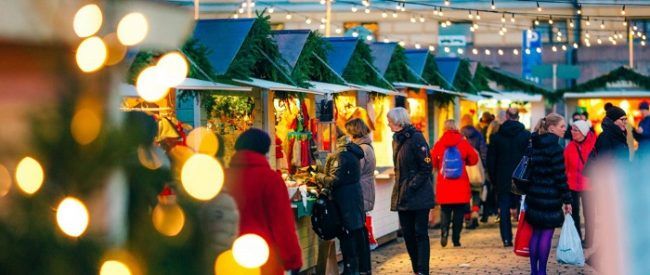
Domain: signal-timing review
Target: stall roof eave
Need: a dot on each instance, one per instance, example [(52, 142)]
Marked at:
[(609, 94), (471, 97), (370, 88), (129, 90), (514, 96), (329, 88), (274, 86), (429, 88)]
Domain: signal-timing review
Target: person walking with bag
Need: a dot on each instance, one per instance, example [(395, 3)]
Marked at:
[(412, 195), (548, 196), (450, 156), (360, 134), (475, 172), (505, 150), (340, 180), (576, 155)]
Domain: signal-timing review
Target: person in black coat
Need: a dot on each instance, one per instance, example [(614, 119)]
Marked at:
[(612, 142), (477, 140), (548, 191), (412, 194), (341, 179), (505, 150)]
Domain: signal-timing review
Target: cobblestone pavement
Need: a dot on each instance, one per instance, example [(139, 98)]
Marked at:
[(481, 253)]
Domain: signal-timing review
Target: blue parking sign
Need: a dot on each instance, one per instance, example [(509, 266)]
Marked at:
[(531, 54)]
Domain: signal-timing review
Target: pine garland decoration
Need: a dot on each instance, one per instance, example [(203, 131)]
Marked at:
[(621, 73), (463, 80), (509, 82), (357, 71), (432, 75), (318, 46), (397, 70)]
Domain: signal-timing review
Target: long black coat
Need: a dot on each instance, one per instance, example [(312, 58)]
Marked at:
[(413, 188), (506, 149), (342, 176), (548, 189)]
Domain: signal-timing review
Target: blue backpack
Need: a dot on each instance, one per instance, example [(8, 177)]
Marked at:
[(452, 163)]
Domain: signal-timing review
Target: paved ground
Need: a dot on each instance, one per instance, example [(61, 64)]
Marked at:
[(481, 253)]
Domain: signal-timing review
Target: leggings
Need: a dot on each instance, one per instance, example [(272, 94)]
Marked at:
[(540, 249)]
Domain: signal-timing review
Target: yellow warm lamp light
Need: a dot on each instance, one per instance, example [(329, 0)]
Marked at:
[(202, 177), (29, 175), (72, 217), (173, 68), (113, 267), (250, 251), (132, 29), (203, 140), (226, 264), (88, 20), (91, 54)]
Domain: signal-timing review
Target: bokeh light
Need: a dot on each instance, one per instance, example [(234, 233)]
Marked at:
[(168, 219), (113, 267), (29, 175), (5, 181), (149, 86), (85, 126), (88, 20), (173, 68), (116, 51), (250, 251), (148, 158), (91, 54), (203, 140), (226, 264), (72, 217), (202, 177), (132, 29)]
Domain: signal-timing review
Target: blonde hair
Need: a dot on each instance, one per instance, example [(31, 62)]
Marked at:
[(450, 124), (399, 116), (357, 128), (551, 119)]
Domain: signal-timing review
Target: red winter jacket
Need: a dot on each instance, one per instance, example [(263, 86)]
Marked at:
[(453, 191), (575, 165), (265, 209)]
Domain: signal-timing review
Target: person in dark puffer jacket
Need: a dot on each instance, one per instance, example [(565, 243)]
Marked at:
[(547, 196)]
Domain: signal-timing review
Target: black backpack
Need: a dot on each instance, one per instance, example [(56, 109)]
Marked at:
[(325, 218)]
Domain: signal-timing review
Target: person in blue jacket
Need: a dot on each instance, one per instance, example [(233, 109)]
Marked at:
[(642, 133)]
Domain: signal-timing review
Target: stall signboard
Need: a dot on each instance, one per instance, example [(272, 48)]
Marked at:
[(531, 57)]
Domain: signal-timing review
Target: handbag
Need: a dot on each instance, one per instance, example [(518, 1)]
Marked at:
[(524, 233), (476, 174), (521, 174)]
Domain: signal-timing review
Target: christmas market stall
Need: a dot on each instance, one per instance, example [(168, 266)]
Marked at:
[(370, 100), (279, 103), (503, 90), (424, 91)]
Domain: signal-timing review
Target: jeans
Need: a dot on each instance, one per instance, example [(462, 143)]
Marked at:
[(588, 210), (356, 251), (453, 212), (506, 202), (415, 230)]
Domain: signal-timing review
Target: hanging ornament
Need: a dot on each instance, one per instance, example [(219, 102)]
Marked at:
[(168, 217)]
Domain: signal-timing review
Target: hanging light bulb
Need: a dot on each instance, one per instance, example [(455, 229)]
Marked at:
[(355, 34), (493, 6), (643, 37), (435, 12), (539, 50), (447, 50), (571, 23), (432, 48), (402, 43), (588, 22), (504, 29), (599, 41), (500, 52), (418, 46), (536, 21), (323, 20), (487, 52), (575, 45), (625, 22), (338, 30), (443, 24), (367, 10), (478, 16), (354, 9), (365, 3), (550, 20), (602, 24), (289, 16), (241, 10), (413, 19), (235, 16), (559, 33), (322, 2), (475, 51), (623, 10), (515, 52), (512, 19), (472, 29), (564, 48), (579, 11), (539, 8), (643, 43), (639, 34), (308, 20), (271, 9), (422, 19), (386, 40), (501, 33), (554, 49), (635, 27), (441, 13), (587, 35), (384, 14), (460, 51), (369, 38), (527, 51), (447, 3), (503, 18), (470, 15)]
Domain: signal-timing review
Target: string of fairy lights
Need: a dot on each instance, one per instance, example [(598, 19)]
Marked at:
[(594, 29)]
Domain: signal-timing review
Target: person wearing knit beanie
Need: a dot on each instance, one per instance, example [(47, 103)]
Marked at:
[(254, 140), (583, 126), (613, 112)]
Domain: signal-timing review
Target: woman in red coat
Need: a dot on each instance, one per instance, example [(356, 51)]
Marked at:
[(450, 156), (263, 201), (576, 155)]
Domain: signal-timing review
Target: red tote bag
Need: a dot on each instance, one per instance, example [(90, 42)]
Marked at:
[(522, 238)]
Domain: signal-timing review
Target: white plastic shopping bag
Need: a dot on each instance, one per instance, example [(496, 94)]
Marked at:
[(569, 249)]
